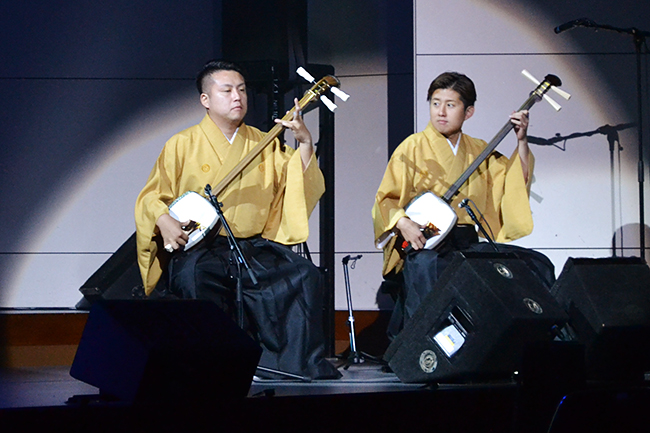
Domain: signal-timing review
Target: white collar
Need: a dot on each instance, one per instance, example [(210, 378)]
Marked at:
[(454, 147), (231, 139)]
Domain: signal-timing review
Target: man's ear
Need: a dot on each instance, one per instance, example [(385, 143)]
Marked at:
[(205, 100), (469, 112)]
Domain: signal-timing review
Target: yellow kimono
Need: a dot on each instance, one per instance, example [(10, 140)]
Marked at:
[(273, 196), (425, 162)]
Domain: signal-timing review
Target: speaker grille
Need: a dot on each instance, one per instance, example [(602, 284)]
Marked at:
[(494, 305)]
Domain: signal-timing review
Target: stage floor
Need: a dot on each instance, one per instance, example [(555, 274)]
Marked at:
[(366, 377), (32, 387), (366, 398), (53, 386)]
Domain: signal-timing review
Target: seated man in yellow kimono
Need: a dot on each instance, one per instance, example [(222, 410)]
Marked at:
[(432, 160), (267, 208)]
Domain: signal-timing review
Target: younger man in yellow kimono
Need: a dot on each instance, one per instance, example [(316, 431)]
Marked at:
[(433, 160), (267, 207)]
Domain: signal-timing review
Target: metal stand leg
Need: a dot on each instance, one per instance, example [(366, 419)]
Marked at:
[(240, 261), (355, 357)]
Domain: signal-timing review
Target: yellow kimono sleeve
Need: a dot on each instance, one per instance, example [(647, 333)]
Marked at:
[(152, 202), (288, 221), (515, 204), (392, 197)]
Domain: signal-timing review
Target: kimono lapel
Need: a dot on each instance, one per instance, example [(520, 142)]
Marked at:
[(462, 159), (236, 152), (229, 154), (467, 153), (451, 164)]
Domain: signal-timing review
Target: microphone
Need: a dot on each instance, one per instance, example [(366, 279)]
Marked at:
[(347, 258), (540, 141), (581, 22), (465, 204)]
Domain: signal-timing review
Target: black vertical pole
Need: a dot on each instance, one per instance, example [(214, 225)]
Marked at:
[(326, 161), (638, 41), (400, 79)]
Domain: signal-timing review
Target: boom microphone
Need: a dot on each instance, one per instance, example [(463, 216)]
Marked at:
[(347, 258), (581, 22)]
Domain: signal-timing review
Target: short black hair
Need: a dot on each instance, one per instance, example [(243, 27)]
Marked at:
[(455, 81), (215, 66)]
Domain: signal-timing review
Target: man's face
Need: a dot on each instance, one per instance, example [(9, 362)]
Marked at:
[(448, 112), (226, 98)]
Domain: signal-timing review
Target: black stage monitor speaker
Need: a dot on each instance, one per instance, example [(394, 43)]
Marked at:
[(608, 302), (118, 278), (475, 322), (178, 351)]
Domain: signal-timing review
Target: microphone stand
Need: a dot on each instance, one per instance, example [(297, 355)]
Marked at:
[(470, 212), (612, 138), (604, 130), (639, 40), (240, 260), (354, 357)]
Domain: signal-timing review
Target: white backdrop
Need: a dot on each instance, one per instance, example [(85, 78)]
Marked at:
[(578, 203), (571, 195)]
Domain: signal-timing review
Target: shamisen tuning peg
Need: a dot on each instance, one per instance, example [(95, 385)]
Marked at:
[(547, 98), (335, 90)]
